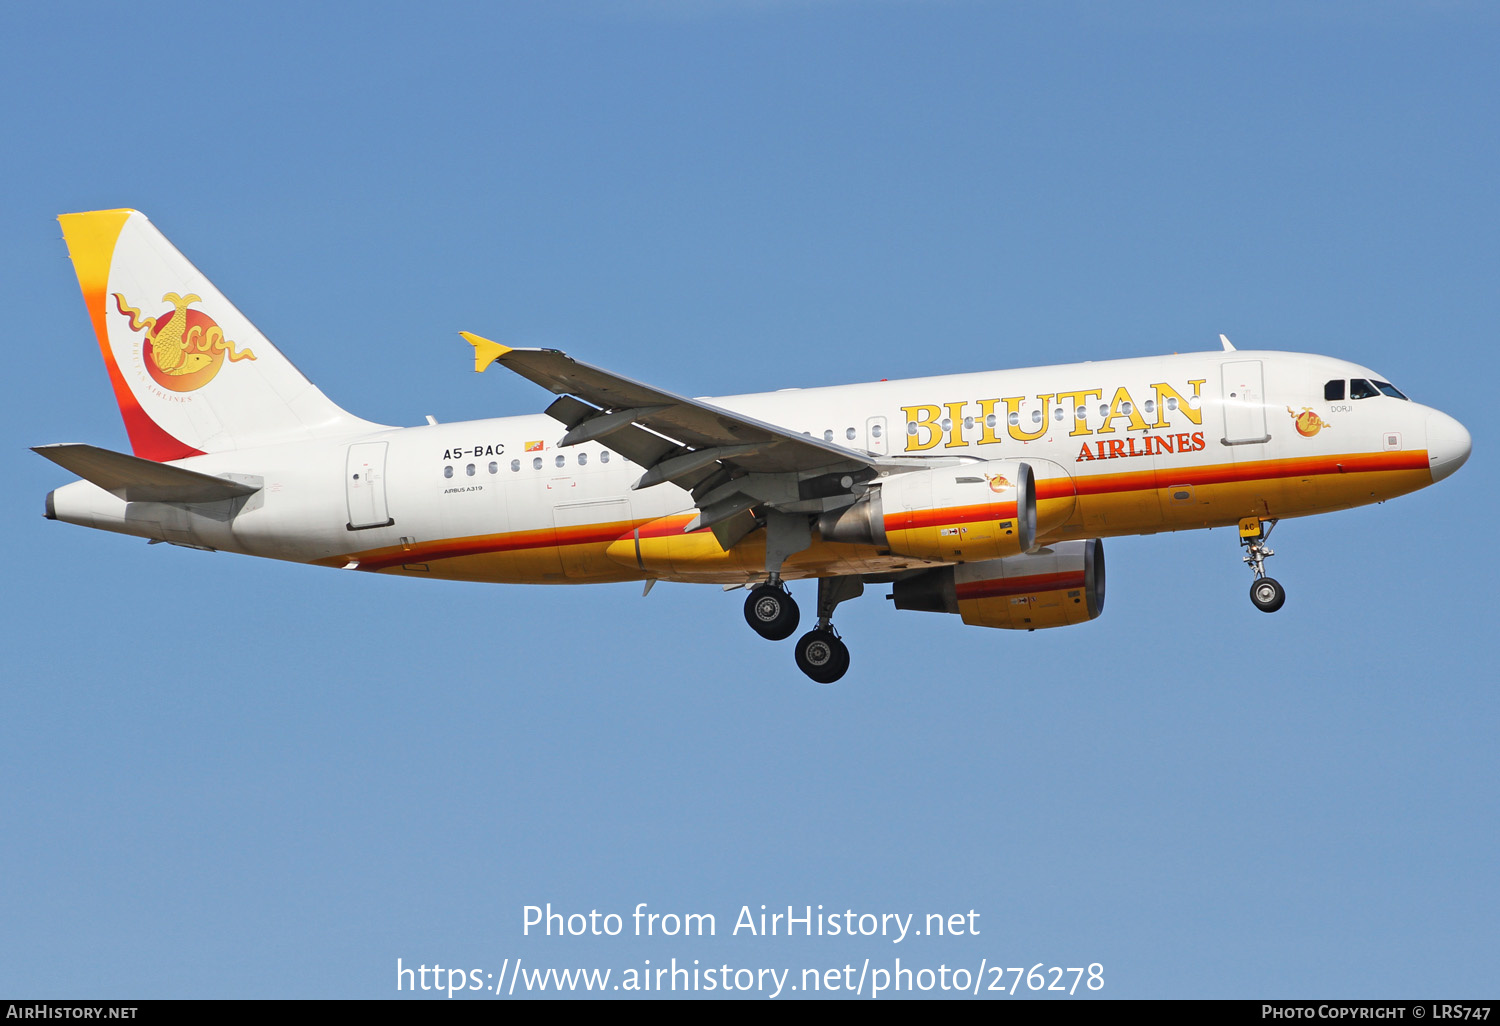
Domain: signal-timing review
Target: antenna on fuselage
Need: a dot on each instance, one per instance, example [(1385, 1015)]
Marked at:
[(1228, 345)]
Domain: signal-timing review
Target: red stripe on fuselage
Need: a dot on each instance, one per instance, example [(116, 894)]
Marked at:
[(1098, 484), (1232, 473), (908, 520), (1021, 585)]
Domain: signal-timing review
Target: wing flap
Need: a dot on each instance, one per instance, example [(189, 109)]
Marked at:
[(616, 431)]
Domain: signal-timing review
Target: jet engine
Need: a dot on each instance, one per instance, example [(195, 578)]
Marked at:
[(1052, 587), (972, 511)]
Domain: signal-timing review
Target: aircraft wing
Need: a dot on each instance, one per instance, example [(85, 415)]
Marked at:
[(728, 461)]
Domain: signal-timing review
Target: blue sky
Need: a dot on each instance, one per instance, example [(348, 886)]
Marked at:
[(228, 777)]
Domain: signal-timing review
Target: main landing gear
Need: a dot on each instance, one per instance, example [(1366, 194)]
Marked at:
[(822, 656), (772, 613), (1266, 592)]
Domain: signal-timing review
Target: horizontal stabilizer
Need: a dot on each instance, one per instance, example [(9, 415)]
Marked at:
[(137, 480)]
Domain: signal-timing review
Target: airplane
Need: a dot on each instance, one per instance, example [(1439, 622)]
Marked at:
[(983, 495)]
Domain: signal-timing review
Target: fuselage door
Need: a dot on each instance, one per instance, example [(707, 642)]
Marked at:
[(1244, 403), (875, 435), (364, 483)]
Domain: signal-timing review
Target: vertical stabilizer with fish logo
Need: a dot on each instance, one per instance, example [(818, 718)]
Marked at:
[(192, 375)]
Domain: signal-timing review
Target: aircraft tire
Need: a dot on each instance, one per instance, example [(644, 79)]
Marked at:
[(771, 612), (1267, 594), (822, 656)]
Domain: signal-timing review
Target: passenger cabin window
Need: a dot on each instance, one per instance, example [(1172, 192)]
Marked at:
[(1359, 388), (1333, 392), (1390, 390)]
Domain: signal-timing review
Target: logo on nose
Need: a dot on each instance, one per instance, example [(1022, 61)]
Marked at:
[(1307, 422)]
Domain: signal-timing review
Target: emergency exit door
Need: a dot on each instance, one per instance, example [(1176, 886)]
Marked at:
[(1244, 403), (364, 484)]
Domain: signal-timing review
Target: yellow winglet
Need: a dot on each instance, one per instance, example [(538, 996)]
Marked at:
[(485, 351)]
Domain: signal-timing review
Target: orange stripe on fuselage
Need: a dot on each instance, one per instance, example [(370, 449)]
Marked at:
[(542, 538), (669, 526), (1099, 484), (1233, 473)]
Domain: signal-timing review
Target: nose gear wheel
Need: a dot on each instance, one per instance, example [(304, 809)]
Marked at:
[(1266, 592)]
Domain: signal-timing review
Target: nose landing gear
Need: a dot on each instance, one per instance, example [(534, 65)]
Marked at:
[(1266, 592)]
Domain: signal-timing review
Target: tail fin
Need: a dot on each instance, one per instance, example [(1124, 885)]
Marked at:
[(190, 372)]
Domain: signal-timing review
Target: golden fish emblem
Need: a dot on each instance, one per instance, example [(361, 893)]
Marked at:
[(1307, 422), (183, 348)]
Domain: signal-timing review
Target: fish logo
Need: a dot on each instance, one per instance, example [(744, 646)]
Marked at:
[(183, 349), (1307, 422), (998, 482)]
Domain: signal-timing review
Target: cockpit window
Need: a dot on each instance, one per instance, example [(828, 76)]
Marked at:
[(1390, 390), (1359, 388), (1333, 392)]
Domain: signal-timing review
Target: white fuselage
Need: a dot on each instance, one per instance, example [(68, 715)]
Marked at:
[(1118, 447)]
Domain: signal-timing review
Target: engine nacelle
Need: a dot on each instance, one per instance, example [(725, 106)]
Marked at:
[(973, 511), (1053, 587)]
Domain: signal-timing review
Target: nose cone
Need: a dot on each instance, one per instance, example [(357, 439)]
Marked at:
[(1448, 444)]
